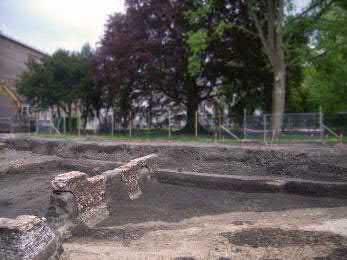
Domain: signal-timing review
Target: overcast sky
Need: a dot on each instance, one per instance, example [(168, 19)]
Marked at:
[(52, 24)]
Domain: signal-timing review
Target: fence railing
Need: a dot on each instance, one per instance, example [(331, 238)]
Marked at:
[(296, 127)]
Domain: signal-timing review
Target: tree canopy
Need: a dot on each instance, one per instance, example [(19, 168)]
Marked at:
[(61, 80), (326, 73), (164, 55)]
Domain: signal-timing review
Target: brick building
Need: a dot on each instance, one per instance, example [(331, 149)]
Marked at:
[(14, 56)]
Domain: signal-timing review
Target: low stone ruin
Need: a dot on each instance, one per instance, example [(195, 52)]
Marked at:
[(88, 192), (28, 237), (132, 172), (74, 194)]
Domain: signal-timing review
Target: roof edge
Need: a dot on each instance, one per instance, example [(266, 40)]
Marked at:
[(9, 38)]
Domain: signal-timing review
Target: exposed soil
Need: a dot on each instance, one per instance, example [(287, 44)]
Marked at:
[(172, 203), (25, 180), (175, 222), (25, 194), (11, 159), (278, 238), (305, 161)]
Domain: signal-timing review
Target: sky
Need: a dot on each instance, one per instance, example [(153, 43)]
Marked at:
[(51, 24)]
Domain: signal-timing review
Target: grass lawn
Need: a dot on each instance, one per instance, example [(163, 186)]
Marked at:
[(162, 135)]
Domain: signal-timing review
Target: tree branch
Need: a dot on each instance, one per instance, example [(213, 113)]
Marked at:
[(261, 32)]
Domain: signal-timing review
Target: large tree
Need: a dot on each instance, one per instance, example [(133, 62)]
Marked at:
[(326, 72), (61, 81), (273, 23), (156, 47), (235, 57)]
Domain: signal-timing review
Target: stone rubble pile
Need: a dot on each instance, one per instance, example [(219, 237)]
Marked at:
[(28, 237), (88, 192)]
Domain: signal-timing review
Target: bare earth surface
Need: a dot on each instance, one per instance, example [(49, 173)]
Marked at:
[(11, 159), (25, 180), (24, 192), (174, 222)]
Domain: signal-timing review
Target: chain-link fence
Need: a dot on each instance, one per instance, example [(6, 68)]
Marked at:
[(296, 127), (17, 124), (171, 125)]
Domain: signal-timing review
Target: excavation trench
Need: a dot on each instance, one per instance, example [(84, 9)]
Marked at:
[(201, 201)]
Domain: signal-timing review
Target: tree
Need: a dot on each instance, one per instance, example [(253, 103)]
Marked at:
[(60, 81), (156, 48), (120, 63), (326, 75), (269, 20), (89, 92), (149, 54), (272, 22), (241, 71)]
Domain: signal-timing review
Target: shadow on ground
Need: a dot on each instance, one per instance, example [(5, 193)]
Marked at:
[(173, 203)]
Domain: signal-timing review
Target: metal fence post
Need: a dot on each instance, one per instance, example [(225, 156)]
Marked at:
[(245, 123), (321, 124), (96, 125), (29, 126), (79, 123), (169, 124), (51, 121), (112, 122), (130, 125), (196, 123), (264, 123), (215, 125), (37, 123), (51, 124), (64, 124)]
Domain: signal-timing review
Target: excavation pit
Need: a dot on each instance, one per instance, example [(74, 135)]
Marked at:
[(195, 197)]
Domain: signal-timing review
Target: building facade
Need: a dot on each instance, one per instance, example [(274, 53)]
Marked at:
[(14, 56)]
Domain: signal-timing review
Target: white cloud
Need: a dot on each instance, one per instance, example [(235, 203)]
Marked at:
[(4, 29), (74, 22)]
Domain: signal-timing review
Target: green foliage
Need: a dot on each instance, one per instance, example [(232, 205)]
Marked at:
[(326, 76), (198, 43), (220, 34), (60, 80)]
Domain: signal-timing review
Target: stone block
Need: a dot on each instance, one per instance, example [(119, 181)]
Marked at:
[(133, 171), (28, 237), (88, 192)]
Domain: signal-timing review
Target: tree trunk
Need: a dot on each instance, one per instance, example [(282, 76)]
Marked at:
[(70, 126), (278, 98), (192, 108), (270, 32)]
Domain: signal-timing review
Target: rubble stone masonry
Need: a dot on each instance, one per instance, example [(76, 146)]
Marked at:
[(28, 237)]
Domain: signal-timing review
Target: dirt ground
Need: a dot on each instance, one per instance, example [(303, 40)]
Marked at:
[(175, 222), (25, 180), (27, 192), (305, 161), (11, 159)]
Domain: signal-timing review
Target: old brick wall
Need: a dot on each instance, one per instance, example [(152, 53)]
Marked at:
[(28, 237), (74, 194), (13, 58)]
